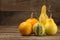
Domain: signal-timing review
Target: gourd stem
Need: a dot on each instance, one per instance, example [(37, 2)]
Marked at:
[(32, 15), (51, 15)]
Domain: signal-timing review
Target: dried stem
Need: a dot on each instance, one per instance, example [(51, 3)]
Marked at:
[(51, 15), (32, 15)]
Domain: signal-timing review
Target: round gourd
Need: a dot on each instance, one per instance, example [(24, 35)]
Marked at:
[(32, 20), (25, 28), (38, 30)]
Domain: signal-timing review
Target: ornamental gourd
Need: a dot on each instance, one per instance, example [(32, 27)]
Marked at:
[(32, 21), (51, 27), (43, 16), (25, 28), (38, 30)]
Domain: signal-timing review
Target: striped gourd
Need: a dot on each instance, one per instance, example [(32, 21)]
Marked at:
[(38, 30)]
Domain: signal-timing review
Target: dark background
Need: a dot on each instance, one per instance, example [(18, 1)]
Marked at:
[(13, 12)]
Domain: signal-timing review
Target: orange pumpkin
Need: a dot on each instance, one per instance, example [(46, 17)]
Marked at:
[(32, 20), (25, 28)]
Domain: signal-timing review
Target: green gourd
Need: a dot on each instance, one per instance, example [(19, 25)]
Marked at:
[(38, 30)]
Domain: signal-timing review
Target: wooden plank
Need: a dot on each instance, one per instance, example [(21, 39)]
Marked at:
[(30, 38), (16, 5), (9, 29), (16, 36), (28, 5), (12, 33), (16, 17)]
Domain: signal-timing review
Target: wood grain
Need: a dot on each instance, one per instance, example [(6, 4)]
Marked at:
[(12, 33), (16, 17), (16, 5), (28, 5)]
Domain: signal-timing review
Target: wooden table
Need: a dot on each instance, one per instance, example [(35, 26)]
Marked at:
[(12, 33)]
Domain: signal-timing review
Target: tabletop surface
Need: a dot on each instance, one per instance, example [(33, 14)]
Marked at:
[(12, 33)]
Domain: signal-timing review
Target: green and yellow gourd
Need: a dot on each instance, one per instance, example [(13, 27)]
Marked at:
[(38, 30)]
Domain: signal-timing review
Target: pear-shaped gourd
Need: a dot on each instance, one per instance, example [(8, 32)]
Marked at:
[(38, 30), (51, 27), (43, 16)]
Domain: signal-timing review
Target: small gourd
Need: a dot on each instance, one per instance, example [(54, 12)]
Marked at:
[(32, 20), (25, 28), (51, 27), (38, 30), (43, 16)]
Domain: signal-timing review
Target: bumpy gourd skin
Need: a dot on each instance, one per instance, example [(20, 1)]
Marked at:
[(43, 16), (25, 28), (51, 27), (38, 30)]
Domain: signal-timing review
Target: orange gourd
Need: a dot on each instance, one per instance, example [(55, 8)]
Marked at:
[(25, 28), (32, 20)]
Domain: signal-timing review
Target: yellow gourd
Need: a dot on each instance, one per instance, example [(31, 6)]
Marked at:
[(43, 16), (51, 27), (25, 28)]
